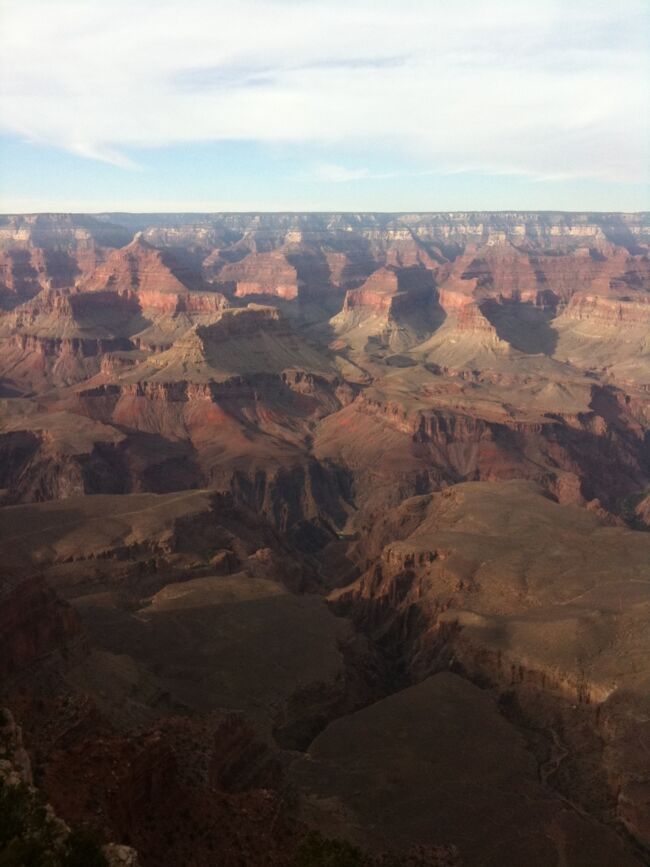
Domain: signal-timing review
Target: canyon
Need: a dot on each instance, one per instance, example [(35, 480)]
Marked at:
[(330, 524)]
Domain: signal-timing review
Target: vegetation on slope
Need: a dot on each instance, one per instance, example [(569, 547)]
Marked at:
[(30, 837)]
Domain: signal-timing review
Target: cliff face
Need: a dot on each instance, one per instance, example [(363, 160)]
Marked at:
[(138, 266), (26, 269), (471, 336), (395, 448), (630, 310), (513, 590), (377, 293), (51, 251), (262, 274), (389, 293), (19, 276), (395, 308), (439, 421), (35, 625), (38, 831)]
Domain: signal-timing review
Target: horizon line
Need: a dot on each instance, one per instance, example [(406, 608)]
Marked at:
[(102, 212)]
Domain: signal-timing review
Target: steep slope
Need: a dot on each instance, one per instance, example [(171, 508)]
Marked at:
[(141, 267), (542, 601), (254, 339), (392, 309), (262, 274), (44, 251), (441, 424), (369, 776), (608, 334)]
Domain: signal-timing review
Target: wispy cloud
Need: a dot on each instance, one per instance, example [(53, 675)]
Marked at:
[(539, 87), (337, 174), (232, 75)]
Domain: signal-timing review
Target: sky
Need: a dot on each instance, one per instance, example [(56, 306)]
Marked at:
[(416, 105)]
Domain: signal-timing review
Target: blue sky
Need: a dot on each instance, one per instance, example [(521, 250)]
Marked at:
[(324, 105)]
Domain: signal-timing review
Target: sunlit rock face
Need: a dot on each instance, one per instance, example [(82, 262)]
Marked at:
[(347, 506)]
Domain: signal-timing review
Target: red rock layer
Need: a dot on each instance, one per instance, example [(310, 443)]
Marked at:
[(262, 274), (390, 291), (631, 310), (376, 294), (143, 269), (503, 270), (467, 313)]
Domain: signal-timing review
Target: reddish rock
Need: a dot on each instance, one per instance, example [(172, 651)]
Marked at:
[(262, 274), (34, 625)]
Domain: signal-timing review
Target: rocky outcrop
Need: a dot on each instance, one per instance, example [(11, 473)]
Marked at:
[(20, 276), (262, 274), (502, 269), (611, 312), (50, 837), (377, 293), (192, 474), (64, 312), (478, 589), (467, 314), (140, 267), (242, 322), (35, 626), (466, 446), (29, 269), (50, 338), (172, 794), (184, 434), (50, 251), (389, 292), (15, 763), (254, 339), (393, 308)]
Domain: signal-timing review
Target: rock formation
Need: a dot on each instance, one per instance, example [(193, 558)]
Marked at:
[(262, 274), (324, 531)]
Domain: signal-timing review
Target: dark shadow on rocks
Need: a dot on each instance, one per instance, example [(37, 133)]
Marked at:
[(523, 325)]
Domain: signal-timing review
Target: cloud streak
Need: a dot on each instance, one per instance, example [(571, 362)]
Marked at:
[(541, 88)]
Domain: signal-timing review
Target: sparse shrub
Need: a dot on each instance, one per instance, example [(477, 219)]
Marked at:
[(318, 851), (29, 838), (82, 849)]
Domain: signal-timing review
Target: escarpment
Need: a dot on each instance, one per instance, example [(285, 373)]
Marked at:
[(518, 593), (629, 310), (394, 308), (262, 274), (330, 526)]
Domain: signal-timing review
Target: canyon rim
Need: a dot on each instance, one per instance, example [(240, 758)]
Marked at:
[(324, 433)]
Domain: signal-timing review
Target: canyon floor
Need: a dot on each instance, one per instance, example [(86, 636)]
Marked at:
[(330, 524)]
